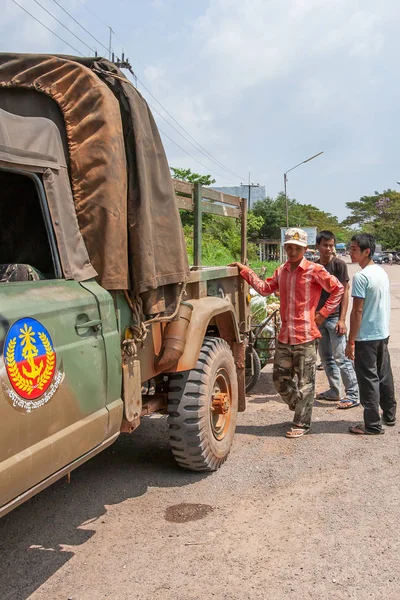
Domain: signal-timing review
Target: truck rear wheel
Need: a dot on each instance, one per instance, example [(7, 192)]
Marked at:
[(202, 408)]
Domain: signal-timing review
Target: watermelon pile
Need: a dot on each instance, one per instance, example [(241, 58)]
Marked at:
[(261, 308)]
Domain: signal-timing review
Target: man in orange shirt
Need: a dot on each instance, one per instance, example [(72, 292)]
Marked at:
[(300, 283)]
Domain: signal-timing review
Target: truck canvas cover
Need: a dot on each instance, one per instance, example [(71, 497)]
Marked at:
[(34, 144), (121, 185)]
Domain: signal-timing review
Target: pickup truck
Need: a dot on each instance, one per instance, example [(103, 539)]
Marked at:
[(102, 321)]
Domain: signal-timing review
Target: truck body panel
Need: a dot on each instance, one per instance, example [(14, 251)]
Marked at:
[(69, 417)]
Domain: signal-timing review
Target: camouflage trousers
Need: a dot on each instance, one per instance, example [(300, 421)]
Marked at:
[(294, 378)]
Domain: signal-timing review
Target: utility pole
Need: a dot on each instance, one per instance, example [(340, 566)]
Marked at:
[(249, 186), (125, 64), (110, 43)]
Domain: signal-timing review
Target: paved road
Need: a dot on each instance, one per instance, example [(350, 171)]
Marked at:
[(312, 518)]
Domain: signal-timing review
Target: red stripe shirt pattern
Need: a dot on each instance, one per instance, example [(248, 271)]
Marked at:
[(300, 291)]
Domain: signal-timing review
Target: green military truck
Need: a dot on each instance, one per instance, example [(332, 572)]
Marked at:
[(102, 321)]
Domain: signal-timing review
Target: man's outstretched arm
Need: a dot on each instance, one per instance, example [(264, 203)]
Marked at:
[(265, 288)]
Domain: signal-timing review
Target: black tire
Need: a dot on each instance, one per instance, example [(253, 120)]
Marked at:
[(202, 408), (252, 378)]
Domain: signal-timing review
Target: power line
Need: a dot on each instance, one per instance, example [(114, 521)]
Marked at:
[(100, 21), (93, 13), (126, 65), (48, 28), (81, 26), (200, 146), (62, 25), (179, 133), (203, 150), (191, 156)]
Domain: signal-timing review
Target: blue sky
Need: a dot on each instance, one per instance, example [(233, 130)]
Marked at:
[(261, 84)]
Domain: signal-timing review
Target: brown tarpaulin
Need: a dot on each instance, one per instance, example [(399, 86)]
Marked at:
[(34, 144), (121, 184)]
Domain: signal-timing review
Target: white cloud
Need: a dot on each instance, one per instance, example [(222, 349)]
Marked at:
[(153, 73), (260, 40), (35, 32), (261, 83)]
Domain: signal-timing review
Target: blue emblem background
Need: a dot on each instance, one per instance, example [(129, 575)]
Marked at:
[(14, 332)]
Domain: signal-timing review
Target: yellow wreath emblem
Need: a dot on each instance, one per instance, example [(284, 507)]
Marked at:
[(22, 383), (48, 372)]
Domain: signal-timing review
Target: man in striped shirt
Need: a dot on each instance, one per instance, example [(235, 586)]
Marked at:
[(299, 283)]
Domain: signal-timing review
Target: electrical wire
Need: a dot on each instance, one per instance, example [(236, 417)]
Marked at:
[(200, 146), (48, 28), (62, 25), (191, 156), (177, 131), (197, 147), (93, 13), (102, 22), (81, 26)]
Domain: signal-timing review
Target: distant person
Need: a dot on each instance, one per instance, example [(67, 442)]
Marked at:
[(299, 283), (390, 258), (332, 345), (369, 337)]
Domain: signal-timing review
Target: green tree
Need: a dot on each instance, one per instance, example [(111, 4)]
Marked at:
[(254, 225), (187, 175), (221, 235), (272, 216), (378, 214), (273, 212)]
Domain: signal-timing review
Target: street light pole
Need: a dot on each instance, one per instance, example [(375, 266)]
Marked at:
[(285, 182)]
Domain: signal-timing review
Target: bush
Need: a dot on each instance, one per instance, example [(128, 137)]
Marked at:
[(214, 252)]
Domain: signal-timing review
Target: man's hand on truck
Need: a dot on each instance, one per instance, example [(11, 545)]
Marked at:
[(237, 264)]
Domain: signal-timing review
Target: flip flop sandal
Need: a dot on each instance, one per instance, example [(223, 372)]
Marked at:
[(345, 404), (322, 396), (360, 430), (296, 432), (389, 423)]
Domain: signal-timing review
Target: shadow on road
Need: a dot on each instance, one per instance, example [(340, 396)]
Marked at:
[(32, 536), (264, 390), (279, 429)]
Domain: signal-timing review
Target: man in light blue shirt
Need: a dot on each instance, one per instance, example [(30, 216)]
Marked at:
[(369, 337)]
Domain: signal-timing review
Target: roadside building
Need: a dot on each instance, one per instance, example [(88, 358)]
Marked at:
[(254, 194), (268, 249)]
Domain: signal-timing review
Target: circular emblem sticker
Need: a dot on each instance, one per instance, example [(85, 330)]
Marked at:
[(30, 358)]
